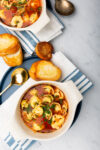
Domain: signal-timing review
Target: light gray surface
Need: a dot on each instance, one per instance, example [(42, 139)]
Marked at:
[(80, 42)]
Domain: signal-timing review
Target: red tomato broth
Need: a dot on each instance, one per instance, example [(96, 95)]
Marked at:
[(18, 8), (41, 120)]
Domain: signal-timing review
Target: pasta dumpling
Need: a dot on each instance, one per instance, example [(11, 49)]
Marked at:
[(48, 89), (37, 127), (2, 15), (47, 99), (33, 17), (33, 92), (56, 107), (17, 21), (34, 101), (24, 104), (37, 111), (57, 121), (64, 108), (58, 94)]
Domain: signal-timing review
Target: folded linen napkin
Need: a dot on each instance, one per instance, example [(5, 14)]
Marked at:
[(70, 72), (29, 40)]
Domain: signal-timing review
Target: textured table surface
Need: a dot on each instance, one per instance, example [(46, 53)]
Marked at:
[(80, 42)]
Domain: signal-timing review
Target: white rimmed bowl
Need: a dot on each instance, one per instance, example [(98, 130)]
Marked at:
[(20, 131), (42, 21)]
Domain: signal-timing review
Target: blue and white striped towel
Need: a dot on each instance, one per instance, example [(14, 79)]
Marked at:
[(70, 72), (29, 40)]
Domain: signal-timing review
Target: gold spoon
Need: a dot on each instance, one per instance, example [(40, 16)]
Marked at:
[(64, 7), (18, 77)]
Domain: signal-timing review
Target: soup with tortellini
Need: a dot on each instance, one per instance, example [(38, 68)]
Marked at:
[(44, 108), (20, 13)]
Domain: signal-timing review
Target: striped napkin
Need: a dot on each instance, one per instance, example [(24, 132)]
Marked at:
[(29, 40), (69, 72)]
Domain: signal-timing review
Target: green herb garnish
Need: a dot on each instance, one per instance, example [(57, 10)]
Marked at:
[(28, 109), (53, 106)]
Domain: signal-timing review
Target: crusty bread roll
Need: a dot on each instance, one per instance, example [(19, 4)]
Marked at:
[(9, 44), (44, 70), (44, 50), (15, 59)]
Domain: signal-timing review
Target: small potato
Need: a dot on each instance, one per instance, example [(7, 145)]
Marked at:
[(44, 50)]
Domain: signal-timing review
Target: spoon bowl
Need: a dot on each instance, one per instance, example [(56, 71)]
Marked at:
[(64, 7), (18, 77)]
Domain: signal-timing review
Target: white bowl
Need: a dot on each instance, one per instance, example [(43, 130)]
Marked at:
[(42, 21), (20, 131)]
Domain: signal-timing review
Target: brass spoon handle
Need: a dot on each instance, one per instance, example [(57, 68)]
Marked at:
[(6, 89)]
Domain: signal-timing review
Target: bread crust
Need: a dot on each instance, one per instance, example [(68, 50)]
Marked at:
[(9, 44), (44, 50), (32, 70), (45, 70), (15, 59)]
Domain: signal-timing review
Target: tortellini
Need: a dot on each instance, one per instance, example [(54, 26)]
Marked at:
[(47, 98), (58, 94), (64, 108), (24, 104), (34, 92), (57, 121), (2, 15), (17, 21), (37, 127), (34, 101), (37, 111), (33, 17), (57, 107), (48, 89)]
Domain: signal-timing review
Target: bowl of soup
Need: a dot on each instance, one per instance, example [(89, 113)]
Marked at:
[(45, 110), (23, 14)]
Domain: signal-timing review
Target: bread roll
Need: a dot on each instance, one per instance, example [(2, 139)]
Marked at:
[(9, 44), (44, 50), (44, 70), (15, 59)]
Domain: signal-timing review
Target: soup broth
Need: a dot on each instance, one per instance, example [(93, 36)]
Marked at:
[(20, 13), (44, 108)]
